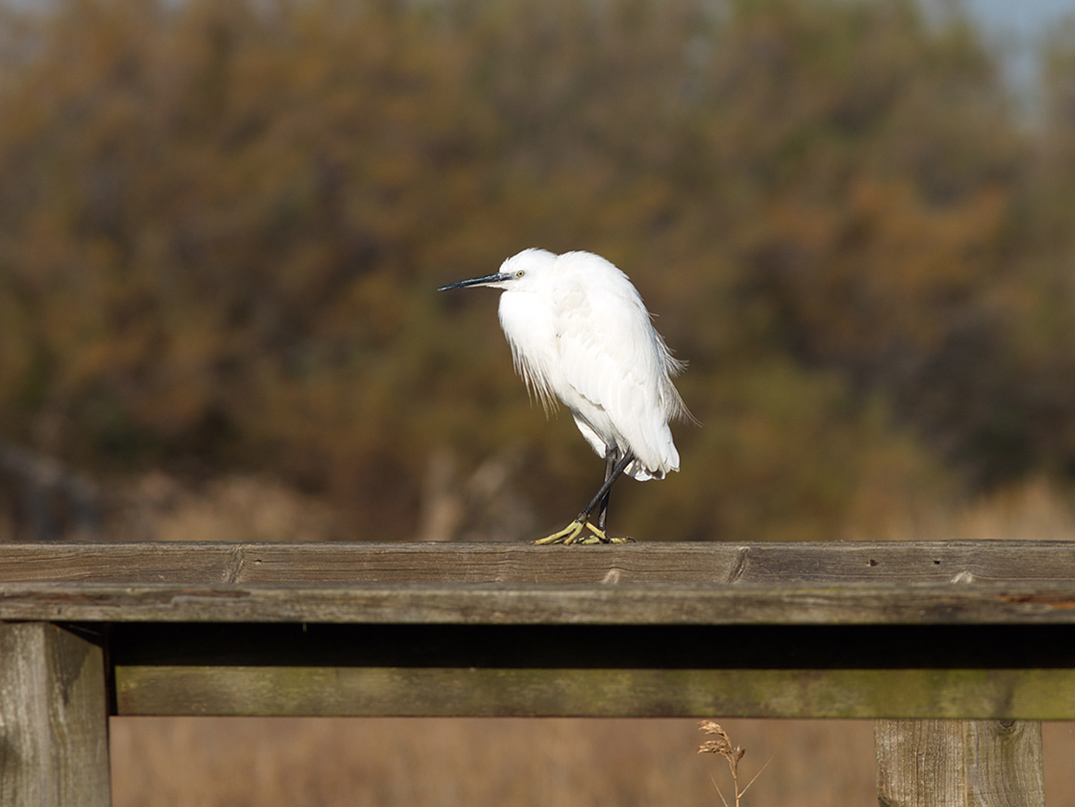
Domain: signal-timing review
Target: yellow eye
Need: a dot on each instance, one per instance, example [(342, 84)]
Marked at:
[(520, 273)]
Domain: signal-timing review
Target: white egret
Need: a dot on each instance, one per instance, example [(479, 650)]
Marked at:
[(580, 332)]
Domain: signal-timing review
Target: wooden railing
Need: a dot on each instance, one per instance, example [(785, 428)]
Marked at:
[(957, 650)]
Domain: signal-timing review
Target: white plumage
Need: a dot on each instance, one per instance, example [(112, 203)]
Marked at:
[(579, 332)]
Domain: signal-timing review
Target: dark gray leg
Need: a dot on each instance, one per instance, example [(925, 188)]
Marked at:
[(610, 463), (617, 469), (572, 532)]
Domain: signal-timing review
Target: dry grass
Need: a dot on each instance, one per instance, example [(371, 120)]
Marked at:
[(235, 507), (203, 762), (733, 755), (1032, 510), (299, 762)]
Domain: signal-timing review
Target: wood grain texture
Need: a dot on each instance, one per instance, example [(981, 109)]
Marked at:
[(521, 603), (674, 563), (544, 692), (959, 763), (53, 719), (891, 630)]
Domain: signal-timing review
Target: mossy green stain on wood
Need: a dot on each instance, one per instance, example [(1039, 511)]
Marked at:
[(451, 691)]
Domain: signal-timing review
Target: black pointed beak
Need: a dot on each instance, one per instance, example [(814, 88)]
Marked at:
[(496, 277)]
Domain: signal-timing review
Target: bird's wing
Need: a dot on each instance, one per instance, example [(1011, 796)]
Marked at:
[(612, 363)]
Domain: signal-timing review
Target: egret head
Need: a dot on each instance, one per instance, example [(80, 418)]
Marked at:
[(516, 273)]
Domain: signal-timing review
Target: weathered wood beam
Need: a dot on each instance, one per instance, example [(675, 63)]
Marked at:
[(611, 670), (959, 763), (486, 692), (655, 562), (53, 719), (526, 603)]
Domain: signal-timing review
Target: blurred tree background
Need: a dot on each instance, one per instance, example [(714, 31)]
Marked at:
[(222, 225)]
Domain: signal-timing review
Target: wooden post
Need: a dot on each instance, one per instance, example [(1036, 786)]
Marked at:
[(959, 763), (53, 719)]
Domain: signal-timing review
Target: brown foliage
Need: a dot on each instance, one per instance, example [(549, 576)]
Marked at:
[(221, 226)]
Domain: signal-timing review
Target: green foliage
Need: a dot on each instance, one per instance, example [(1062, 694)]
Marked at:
[(221, 226)]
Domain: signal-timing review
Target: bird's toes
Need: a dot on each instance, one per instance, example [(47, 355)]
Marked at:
[(598, 537), (568, 535), (579, 535), (597, 534), (581, 532)]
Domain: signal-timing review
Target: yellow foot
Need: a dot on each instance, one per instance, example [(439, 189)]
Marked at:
[(580, 532)]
